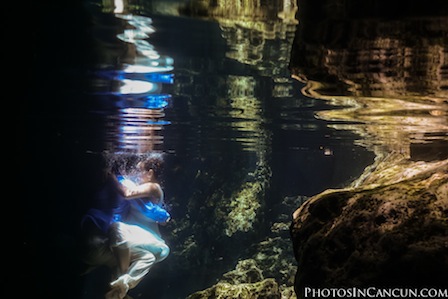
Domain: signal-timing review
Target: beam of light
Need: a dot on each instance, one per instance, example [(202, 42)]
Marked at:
[(136, 87)]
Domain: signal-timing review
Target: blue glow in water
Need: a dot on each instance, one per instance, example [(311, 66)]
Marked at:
[(157, 101), (151, 77), (158, 122), (162, 78)]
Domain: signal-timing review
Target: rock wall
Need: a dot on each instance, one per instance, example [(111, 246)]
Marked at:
[(375, 236), (268, 270), (385, 65)]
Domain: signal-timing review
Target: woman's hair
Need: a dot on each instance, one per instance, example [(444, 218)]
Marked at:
[(153, 161), (133, 164)]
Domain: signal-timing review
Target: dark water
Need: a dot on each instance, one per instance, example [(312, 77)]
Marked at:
[(233, 116)]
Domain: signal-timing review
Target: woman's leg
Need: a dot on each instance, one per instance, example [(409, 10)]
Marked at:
[(138, 237), (145, 248), (141, 263)]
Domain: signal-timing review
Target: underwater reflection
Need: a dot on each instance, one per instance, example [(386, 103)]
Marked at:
[(121, 229), (258, 37), (388, 75), (134, 87), (137, 130), (249, 29)]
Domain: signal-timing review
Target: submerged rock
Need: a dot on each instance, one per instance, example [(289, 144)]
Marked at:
[(377, 235), (246, 281), (269, 270), (266, 289)]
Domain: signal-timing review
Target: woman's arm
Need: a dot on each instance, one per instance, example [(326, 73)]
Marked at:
[(136, 191), (129, 190)]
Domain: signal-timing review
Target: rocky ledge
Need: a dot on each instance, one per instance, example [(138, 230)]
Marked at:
[(376, 235)]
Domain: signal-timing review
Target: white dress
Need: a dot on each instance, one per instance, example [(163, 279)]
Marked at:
[(140, 233)]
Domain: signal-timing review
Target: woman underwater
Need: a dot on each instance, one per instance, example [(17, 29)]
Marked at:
[(134, 243), (134, 234)]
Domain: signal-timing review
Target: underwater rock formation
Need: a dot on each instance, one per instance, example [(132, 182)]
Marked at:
[(270, 268), (246, 281), (384, 66), (378, 235)]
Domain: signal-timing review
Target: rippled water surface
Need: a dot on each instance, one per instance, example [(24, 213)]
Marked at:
[(247, 132)]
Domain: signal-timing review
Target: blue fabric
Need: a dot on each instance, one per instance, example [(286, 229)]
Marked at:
[(122, 211), (148, 209), (155, 212)]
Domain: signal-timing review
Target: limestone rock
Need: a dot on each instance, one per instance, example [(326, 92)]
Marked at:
[(266, 289), (246, 281), (378, 235)]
